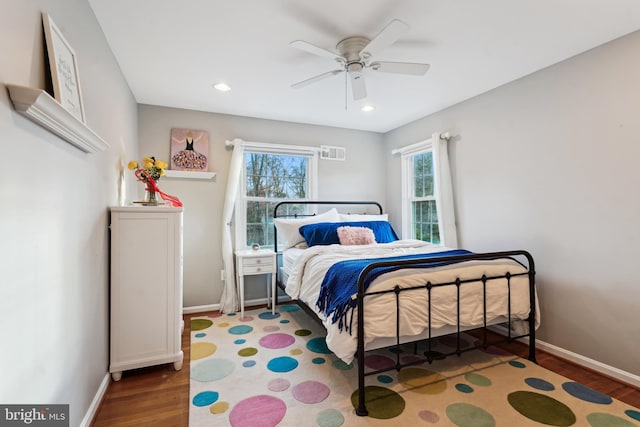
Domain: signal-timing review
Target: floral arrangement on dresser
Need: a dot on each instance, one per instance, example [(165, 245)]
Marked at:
[(149, 173), (150, 169)]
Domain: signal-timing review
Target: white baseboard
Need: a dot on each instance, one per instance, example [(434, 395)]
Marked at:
[(578, 359), (216, 307), (201, 308), (95, 403)]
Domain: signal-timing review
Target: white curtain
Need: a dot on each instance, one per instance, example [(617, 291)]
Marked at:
[(229, 300), (444, 191)]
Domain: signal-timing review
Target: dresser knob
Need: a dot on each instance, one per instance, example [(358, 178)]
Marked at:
[(259, 269)]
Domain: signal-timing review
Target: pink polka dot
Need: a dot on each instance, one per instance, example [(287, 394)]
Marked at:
[(277, 340), (411, 359), (429, 416), (214, 315), (376, 361), (258, 411), (271, 328), (452, 341), (279, 384), (310, 392), (246, 319)]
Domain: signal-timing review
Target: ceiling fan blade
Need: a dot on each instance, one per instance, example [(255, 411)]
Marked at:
[(310, 48), (410, 68), (316, 78), (386, 37), (358, 87)]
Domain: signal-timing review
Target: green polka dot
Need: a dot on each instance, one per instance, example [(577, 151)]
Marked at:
[(542, 408), (477, 379), (341, 365), (598, 419), (382, 403), (467, 415), (246, 352), (330, 418), (303, 332), (200, 324)]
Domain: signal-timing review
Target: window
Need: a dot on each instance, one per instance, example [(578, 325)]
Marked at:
[(424, 212), (420, 209), (269, 177)]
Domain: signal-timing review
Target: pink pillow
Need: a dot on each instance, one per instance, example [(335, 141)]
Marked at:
[(356, 236)]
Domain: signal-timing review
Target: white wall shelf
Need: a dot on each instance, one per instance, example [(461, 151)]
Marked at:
[(41, 108), (188, 174)]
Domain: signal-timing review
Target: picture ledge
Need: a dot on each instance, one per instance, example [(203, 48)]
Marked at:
[(41, 108), (188, 174)]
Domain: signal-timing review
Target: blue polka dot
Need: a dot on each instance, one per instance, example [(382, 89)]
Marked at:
[(200, 335), (463, 388), (289, 307), (240, 341), (539, 384), (385, 379), (282, 364), (267, 315), (240, 329), (205, 398), (318, 361), (318, 345), (284, 321), (586, 394), (633, 414), (517, 364), (249, 363), (231, 314)]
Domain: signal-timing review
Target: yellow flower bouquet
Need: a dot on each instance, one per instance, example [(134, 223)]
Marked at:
[(150, 172), (151, 169)]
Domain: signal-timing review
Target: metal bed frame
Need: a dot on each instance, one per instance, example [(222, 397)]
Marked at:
[(428, 356)]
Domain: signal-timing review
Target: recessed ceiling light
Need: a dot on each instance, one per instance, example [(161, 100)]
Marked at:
[(222, 87), (368, 108)]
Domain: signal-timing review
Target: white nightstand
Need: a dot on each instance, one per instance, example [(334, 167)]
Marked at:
[(251, 263)]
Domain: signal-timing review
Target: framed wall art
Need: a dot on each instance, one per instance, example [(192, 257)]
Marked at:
[(189, 149), (63, 66)]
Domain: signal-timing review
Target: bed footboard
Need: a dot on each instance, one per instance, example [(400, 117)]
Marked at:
[(361, 409)]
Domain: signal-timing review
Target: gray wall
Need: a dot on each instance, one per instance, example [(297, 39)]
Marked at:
[(360, 176), (549, 163), (54, 198)]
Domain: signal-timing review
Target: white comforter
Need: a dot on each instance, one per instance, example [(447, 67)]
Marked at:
[(309, 270)]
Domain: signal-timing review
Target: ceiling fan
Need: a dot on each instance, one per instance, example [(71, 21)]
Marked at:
[(354, 55)]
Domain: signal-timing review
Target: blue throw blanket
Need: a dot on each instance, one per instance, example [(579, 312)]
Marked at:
[(341, 281)]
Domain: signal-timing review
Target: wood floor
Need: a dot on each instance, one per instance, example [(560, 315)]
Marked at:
[(159, 396)]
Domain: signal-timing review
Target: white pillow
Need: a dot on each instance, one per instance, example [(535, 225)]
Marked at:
[(289, 228), (363, 217)]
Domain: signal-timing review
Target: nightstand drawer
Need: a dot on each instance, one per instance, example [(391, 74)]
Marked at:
[(257, 269), (263, 260)]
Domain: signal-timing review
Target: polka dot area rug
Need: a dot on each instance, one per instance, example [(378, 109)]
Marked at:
[(275, 370)]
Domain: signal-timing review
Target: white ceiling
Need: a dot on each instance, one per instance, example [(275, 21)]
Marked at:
[(172, 51)]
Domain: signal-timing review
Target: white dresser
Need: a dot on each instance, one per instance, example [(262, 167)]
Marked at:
[(146, 287)]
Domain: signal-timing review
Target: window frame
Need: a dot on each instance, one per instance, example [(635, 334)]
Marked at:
[(311, 153), (407, 170)]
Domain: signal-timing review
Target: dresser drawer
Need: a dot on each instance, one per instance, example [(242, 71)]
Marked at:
[(257, 269), (257, 261)]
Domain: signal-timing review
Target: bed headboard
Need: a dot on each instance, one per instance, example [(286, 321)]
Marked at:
[(282, 210)]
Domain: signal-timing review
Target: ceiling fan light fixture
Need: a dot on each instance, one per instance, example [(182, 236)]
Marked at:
[(222, 87), (368, 108)]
